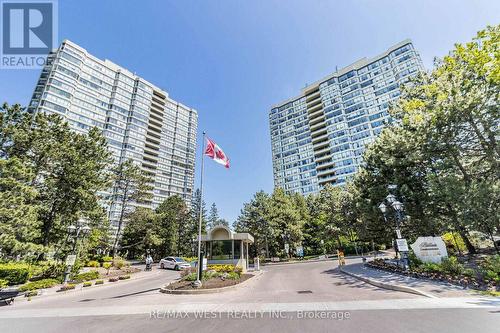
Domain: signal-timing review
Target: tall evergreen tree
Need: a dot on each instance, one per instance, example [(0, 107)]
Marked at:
[(19, 224), (253, 219), (130, 185), (213, 216), (66, 167)]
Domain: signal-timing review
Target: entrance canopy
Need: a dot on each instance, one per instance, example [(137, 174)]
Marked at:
[(223, 246), (221, 232)]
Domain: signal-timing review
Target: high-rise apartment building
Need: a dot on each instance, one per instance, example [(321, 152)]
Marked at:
[(139, 120), (318, 137)]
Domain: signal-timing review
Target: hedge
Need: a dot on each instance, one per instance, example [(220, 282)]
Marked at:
[(92, 275), (15, 273), (40, 284)]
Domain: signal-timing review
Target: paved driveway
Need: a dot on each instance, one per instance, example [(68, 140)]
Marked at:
[(286, 289)]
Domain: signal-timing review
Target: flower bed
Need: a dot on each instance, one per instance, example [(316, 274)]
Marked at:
[(208, 284), (217, 276), (450, 270)]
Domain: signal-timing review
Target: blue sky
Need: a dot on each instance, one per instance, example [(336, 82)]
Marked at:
[(232, 60)]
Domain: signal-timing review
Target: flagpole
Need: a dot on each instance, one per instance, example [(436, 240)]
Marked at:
[(200, 259)]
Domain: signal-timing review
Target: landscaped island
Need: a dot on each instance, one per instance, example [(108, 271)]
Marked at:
[(216, 276)]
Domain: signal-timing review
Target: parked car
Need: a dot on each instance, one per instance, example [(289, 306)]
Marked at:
[(173, 263)]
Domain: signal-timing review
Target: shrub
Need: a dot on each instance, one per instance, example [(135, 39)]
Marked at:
[(93, 263), (124, 277), (414, 261), (99, 282), (187, 271), (15, 273), (87, 284), (431, 267), (492, 264), (107, 265), (113, 279), (469, 272), (189, 259), (40, 284), (3, 283), (232, 276), (452, 266), (238, 270), (68, 286), (488, 275), (48, 270), (107, 259), (92, 275), (452, 239), (207, 275), (190, 277), (120, 263), (31, 293)]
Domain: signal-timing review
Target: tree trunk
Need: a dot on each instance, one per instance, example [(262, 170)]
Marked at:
[(461, 230), (465, 237), (47, 225), (120, 221)]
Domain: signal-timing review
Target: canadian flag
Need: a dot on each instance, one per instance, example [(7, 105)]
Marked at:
[(215, 152)]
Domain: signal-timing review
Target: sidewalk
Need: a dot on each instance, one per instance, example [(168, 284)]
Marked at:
[(42, 293), (398, 282)]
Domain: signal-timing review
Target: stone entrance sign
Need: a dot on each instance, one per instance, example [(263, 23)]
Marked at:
[(430, 249)]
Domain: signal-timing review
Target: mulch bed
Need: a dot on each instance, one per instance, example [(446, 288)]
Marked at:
[(208, 284), (116, 272)]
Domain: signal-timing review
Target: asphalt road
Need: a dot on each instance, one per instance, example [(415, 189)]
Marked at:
[(308, 297)]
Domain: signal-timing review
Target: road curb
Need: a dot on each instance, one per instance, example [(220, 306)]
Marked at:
[(207, 291), (78, 288), (296, 262), (384, 285)]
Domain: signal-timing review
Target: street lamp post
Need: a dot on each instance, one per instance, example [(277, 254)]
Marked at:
[(398, 208), (75, 232), (286, 237)]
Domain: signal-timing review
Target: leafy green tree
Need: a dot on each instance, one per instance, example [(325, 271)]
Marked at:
[(442, 148), (130, 186), (172, 215), (286, 221), (141, 233)]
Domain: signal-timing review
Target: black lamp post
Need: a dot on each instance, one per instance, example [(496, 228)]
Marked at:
[(398, 208), (286, 238), (74, 233)]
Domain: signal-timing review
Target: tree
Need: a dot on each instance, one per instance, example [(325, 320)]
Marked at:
[(195, 212), (172, 215), (162, 232), (130, 186), (223, 222), (19, 224), (213, 217), (286, 221), (442, 148), (253, 219), (66, 167), (141, 233)]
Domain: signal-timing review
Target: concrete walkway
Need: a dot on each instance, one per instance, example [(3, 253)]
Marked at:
[(427, 288)]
